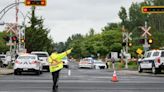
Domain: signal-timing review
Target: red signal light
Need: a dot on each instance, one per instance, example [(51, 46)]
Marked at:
[(14, 38), (145, 9)]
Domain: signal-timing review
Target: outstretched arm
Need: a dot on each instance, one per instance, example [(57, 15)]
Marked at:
[(64, 54)]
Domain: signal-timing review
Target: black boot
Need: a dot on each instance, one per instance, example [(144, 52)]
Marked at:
[(55, 88)]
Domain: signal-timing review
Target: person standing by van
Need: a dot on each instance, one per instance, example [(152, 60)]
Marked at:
[(56, 64)]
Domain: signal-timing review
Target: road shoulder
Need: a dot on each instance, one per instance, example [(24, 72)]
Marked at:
[(5, 71)]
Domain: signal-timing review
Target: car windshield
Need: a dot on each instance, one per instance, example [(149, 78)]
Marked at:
[(26, 57), (41, 55)]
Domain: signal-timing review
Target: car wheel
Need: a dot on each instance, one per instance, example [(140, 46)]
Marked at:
[(140, 70), (94, 67), (41, 72), (15, 72), (154, 70), (159, 70), (48, 70), (37, 72)]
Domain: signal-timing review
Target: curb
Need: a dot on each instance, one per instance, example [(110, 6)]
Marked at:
[(4, 71)]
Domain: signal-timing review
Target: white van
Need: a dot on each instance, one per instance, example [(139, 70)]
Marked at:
[(43, 56)]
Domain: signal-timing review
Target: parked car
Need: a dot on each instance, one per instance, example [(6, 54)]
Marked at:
[(86, 63), (98, 64), (43, 56), (153, 60), (65, 62), (27, 63)]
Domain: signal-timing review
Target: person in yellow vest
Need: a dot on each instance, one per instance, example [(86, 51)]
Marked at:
[(56, 64)]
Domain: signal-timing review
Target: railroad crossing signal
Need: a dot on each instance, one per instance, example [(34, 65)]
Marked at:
[(127, 36), (35, 2), (11, 27), (146, 31)]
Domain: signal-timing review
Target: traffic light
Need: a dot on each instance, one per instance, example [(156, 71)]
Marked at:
[(150, 41), (152, 9), (35, 2)]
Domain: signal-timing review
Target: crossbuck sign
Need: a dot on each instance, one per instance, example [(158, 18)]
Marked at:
[(146, 31), (127, 36), (11, 27)]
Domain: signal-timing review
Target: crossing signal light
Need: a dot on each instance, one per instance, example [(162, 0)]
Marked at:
[(142, 41), (14, 39), (152, 9), (35, 2), (123, 44), (130, 44), (22, 40), (150, 41)]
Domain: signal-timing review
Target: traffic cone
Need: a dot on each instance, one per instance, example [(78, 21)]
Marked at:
[(114, 78)]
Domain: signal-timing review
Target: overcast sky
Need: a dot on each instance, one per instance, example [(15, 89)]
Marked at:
[(67, 17)]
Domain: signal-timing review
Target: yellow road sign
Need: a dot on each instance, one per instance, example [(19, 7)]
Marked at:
[(139, 51)]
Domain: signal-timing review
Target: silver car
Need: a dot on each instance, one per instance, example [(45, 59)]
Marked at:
[(27, 63), (86, 63), (98, 64)]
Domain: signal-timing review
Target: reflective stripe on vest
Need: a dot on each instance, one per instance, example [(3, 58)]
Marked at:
[(56, 67)]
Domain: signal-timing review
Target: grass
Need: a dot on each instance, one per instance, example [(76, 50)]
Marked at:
[(10, 66), (132, 65)]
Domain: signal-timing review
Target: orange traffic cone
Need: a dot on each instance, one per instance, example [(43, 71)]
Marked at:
[(114, 78)]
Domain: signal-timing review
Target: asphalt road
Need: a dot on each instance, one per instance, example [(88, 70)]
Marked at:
[(82, 80)]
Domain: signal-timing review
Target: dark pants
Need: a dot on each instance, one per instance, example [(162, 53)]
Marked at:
[(55, 76)]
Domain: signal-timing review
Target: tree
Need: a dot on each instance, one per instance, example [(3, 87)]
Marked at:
[(91, 32), (3, 47), (123, 16), (111, 26), (37, 36)]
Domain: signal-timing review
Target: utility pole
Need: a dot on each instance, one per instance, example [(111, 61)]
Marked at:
[(17, 29)]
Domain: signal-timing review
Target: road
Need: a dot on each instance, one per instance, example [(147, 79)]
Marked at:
[(82, 80)]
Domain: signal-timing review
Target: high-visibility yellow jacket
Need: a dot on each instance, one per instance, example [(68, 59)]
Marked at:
[(55, 60)]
